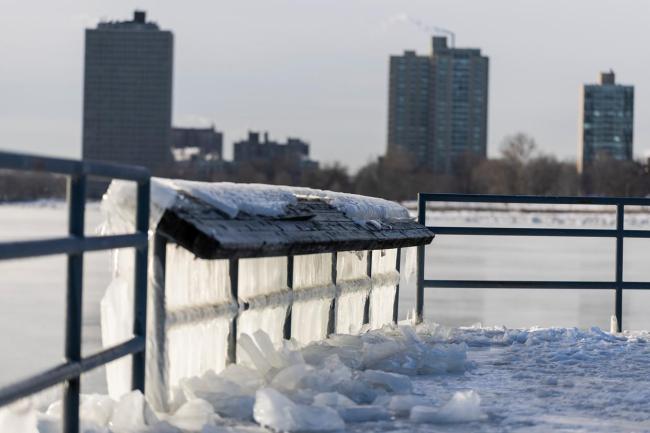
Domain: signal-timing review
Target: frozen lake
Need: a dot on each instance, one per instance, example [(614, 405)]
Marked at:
[(32, 307), (533, 258)]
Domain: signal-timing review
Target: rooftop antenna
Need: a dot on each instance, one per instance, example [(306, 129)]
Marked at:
[(432, 29)]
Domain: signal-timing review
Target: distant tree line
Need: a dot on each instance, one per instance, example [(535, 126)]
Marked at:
[(21, 186), (520, 169)]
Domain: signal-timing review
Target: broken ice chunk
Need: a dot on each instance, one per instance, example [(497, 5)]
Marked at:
[(400, 405), (94, 408), (363, 413), (193, 415), (277, 412), (464, 406), (288, 379), (391, 382), (266, 346), (358, 391), (226, 397), (247, 378), (332, 399), (254, 353), (132, 412), (18, 417), (349, 410)]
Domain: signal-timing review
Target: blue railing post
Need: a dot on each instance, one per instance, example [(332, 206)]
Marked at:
[(140, 285), (396, 299), (76, 192), (331, 320), (366, 305), (620, 226), (419, 295), (74, 245), (233, 268), (286, 328)]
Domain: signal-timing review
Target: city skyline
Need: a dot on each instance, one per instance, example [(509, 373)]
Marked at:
[(338, 99)]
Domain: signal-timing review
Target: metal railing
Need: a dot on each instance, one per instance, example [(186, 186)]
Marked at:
[(74, 246), (619, 233)]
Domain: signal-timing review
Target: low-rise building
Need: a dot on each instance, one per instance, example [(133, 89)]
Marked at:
[(204, 142)]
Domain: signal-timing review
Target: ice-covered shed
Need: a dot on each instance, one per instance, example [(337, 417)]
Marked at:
[(228, 259)]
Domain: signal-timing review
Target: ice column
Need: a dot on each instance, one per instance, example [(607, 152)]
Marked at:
[(264, 294), (385, 279), (198, 308), (313, 291), (353, 285)]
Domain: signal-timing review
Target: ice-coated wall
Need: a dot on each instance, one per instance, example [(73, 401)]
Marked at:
[(385, 279), (263, 287), (194, 348), (116, 310), (261, 276), (313, 292), (191, 312), (198, 309), (192, 281), (353, 285)]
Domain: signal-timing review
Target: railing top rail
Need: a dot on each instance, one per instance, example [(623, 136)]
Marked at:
[(529, 199), (620, 233), (17, 161)]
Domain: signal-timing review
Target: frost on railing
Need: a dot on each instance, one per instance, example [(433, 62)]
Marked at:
[(227, 260)]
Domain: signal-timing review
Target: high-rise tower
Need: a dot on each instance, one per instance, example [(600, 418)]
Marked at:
[(438, 105), (606, 121), (128, 93)]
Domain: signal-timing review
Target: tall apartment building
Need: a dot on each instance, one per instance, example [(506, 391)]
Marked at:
[(606, 120), (438, 104), (408, 105), (127, 107)]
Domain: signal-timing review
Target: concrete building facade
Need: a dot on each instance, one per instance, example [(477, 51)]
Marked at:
[(606, 121), (207, 141), (438, 105), (255, 149), (127, 108), (408, 105)]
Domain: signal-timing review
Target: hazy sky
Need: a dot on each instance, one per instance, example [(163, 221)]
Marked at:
[(318, 69)]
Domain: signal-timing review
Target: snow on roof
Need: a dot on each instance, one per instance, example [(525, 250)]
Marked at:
[(272, 200), (218, 220)]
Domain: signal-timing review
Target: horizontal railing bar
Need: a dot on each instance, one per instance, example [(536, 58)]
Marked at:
[(129, 347), (531, 231), (63, 372), (529, 284), (16, 161), (529, 199), (69, 245), (642, 234), (116, 171), (526, 231), (37, 383)]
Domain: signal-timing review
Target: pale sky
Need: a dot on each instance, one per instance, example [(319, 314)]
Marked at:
[(318, 69)]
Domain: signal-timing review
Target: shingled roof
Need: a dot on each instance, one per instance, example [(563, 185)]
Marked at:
[(310, 225)]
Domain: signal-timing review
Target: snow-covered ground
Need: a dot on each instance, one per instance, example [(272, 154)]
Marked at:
[(436, 379)]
